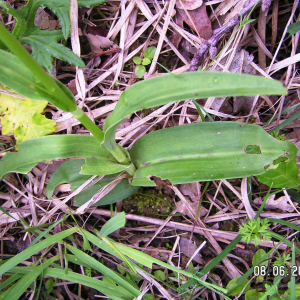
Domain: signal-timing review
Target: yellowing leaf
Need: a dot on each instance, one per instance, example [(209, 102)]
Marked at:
[(22, 118)]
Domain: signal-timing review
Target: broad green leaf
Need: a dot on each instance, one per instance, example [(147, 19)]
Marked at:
[(96, 265), (115, 223), (191, 85), (206, 151), (23, 118), (285, 176), (120, 192), (140, 71), (17, 77), (45, 46), (94, 166), (294, 28), (68, 172), (48, 148), (149, 52)]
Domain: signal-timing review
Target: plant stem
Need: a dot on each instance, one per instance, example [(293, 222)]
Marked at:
[(88, 124)]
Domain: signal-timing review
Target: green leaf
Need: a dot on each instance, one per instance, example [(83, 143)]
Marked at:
[(137, 60), (120, 192), (140, 71), (20, 79), (23, 118), (146, 61), (285, 176), (204, 152), (257, 258), (294, 28), (253, 295), (115, 223), (160, 275), (68, 172), (234, 289), (149, 52), (89, 3), (45, 46), (44, 43), (48, 148), (167, 88)]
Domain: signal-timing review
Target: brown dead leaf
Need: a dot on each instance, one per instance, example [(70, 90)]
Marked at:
[(281, 203), (198, 20), (72, 87), (44, 20), (197, 16), (188, 248), (191, 189), (98, 43), (189, 4), (181, 208)]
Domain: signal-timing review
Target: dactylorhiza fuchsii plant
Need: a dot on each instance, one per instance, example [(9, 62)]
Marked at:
[(188, 153)]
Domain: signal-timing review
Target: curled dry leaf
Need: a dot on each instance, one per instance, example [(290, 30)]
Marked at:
[(98, 43), (281, 203), (189, 4)]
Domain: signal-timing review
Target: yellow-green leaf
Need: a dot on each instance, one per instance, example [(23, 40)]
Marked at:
[(23, 118)]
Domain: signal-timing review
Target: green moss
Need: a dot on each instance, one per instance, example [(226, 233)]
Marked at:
[(148, 202)]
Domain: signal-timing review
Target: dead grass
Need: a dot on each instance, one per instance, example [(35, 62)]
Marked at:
[(262, 47)]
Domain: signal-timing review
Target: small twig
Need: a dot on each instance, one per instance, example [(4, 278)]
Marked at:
[(209, 46)]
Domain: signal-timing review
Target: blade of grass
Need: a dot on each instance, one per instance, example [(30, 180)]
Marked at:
[(147, 260), (293, 279), (115, 223), (286, 223), (110, 290), (284, 240), (283, 112), (286, 122), (44, 233), (94, 264), (16, 291), (10, 280), (35, 249)]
